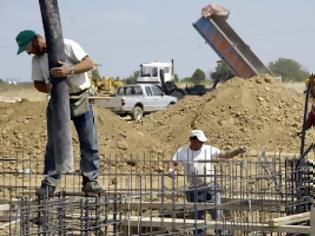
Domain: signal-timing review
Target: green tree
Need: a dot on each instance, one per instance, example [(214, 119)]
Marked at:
[(132, 79), (288, 69), (198, 76), (187, 80), (221, 73)]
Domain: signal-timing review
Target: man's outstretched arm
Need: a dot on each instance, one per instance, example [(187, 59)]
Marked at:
[(233, 153)]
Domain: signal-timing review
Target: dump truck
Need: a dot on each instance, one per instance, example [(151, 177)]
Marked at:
[(229, 46), (162, 74), (214, 28)]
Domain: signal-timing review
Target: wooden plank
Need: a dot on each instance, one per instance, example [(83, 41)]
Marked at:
[(4, 207), (8, 218), (250, 227), (92, 97), (231, 226), (291, 219), (147, 221), (13, 222), (99, 97), (4, 201), (190, 224), (240, 206)]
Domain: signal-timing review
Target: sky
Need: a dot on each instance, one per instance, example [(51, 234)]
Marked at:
[(122, 34)]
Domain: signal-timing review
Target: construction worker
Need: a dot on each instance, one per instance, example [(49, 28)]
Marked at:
[(310, 120), (77, 62), (197, 160)]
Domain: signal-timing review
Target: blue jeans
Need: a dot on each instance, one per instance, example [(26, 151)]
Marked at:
[(206, 194), (86, 129)]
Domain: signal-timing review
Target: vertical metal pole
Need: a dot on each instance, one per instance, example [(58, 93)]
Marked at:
[(81, 217), (173, 68), (162, 210), (61, 214), (59, 94), (97, 226), (304, 118)]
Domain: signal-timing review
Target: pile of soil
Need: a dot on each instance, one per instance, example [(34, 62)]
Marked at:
[(260, 113), (23, 130)]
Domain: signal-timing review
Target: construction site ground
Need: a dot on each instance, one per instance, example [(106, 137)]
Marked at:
[(260, 113)]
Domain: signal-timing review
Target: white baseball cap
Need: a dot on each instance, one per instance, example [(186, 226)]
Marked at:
[(199, 134)]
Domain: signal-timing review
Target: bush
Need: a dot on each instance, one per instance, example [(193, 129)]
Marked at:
[(222, 73), (132, 79), (198, 76), (289, 70)]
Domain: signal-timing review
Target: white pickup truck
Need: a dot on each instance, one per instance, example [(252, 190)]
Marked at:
[(137, 100)]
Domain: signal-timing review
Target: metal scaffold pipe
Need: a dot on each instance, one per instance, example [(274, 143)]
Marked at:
[(59, 94)]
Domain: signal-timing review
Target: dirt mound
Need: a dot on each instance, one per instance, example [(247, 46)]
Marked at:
[(19, 92), (260, 113), (23, 130)]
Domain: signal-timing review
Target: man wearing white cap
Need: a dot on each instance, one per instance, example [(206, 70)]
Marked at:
[(197, 160)]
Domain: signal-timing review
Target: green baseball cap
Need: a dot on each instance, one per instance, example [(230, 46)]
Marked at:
[(23, 39)]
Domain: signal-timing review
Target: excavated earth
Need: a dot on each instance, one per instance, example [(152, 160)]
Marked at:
[(260, 113)]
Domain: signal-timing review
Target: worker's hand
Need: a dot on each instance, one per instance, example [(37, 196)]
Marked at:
[(171, 173), (62, 71)]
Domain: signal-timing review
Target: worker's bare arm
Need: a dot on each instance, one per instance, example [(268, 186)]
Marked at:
[(65, 69), (233, 153)]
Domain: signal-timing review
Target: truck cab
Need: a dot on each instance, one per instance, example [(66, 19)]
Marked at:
[(162, 74), (156, 73)]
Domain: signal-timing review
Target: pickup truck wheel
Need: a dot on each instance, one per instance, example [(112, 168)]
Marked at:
[(137, 113), (171, 104)]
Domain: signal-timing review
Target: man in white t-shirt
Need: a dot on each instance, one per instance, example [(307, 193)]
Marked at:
[(75, 66), (197, 160)]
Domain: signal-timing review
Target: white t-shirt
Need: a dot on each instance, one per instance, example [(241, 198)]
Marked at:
[(74, 54), (197, 164)]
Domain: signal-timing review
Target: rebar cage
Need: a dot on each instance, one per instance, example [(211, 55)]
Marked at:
[(256, 192)]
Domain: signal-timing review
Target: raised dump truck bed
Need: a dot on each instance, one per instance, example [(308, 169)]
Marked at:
[(230, 47)]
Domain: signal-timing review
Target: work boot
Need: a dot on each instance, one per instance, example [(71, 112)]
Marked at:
[(45, 190), (91, 186)]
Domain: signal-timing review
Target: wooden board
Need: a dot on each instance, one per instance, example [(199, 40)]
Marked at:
[(231, 226), (291, 219)]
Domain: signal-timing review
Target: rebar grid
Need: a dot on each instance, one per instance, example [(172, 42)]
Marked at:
[(62, 215), (254, 190)]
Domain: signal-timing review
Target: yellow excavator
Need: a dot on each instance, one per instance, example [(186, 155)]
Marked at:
[(102, 85)]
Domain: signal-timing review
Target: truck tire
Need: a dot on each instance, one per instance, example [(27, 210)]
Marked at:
[(137, 113), (171, 104)]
